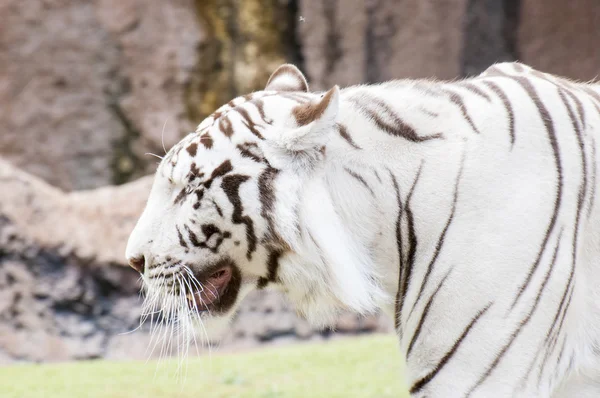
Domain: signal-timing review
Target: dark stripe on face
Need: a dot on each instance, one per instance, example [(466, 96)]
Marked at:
[(225, 126), (399, 297), (192, 148), (421, 383), (218, 208), (523, 322), (251, 151), (260, 105), (272, 269), (180, 196), (360, 179), (266, 195), (231, 187), (180, 237), (206, 140), (458, 101), (219, 171), (398, 128), (248, 122), (475, 90), (550, 130), (507, 105), (440, 243), (344, 134), (424, 315), (193, 238)]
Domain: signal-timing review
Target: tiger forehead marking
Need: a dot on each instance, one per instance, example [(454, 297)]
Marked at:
[(464, 210)]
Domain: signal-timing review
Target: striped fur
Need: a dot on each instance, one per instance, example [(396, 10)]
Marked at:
[(465, 210)]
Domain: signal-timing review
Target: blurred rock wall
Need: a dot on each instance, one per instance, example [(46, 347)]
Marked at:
[(88, 87)]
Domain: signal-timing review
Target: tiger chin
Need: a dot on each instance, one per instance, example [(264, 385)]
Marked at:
[(464, 210)]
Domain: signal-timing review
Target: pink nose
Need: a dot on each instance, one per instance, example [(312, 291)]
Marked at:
[(137, 264)]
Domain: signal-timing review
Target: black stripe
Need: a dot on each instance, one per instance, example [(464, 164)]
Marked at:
[(247, 120), (509, 109), (523, 322), (246, 151), (399, 297), (359, 178), (231, 187), (440, 243), (376, 174), (593, 184), (424, 315), (344, 134), (398, 127), (556, 333), (260, 105), (193, 238), (549, 124), (180, 236), (579, 105), (580, 202), (475, 90), (458, 101), (225, 126), (518, 67), (219, 171), (412, 241), (595, 96), (418, 385), (272, 269), (266, 195)]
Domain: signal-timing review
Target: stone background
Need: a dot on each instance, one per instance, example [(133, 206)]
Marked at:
[(88, 87)]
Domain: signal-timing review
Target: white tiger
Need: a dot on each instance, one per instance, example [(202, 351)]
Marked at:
[(465, 210)]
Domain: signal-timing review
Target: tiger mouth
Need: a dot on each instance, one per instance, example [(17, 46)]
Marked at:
[(216, 290)]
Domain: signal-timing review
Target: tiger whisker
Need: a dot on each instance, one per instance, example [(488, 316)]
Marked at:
[(155, 155)]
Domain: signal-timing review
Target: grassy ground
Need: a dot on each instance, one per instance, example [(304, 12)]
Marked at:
[(357, 367)]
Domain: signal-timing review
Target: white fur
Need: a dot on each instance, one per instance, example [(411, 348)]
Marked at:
[(343, 253)]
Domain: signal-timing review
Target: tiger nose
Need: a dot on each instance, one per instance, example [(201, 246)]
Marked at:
[(137, 263)]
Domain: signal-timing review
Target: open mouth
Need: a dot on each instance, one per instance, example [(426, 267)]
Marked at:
[(213, 291)]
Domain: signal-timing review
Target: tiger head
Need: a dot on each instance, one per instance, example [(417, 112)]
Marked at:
[(240, 204)]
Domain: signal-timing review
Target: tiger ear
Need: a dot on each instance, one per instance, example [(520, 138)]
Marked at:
[(287, 78), (302, 141)]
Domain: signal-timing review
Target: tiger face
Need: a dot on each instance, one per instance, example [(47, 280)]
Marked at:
[(223, 215)]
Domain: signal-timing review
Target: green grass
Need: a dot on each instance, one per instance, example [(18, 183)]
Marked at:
[(353, 367)]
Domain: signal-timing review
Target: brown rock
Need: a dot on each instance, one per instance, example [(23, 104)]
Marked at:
[(374, 41), (561, 38), (86, 87), (89, 224)]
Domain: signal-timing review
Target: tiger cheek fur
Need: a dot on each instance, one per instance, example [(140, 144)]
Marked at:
[(464, 210)]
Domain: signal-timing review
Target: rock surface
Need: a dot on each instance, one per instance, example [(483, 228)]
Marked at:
[(562, 38), (66, 293), (88, 88)]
